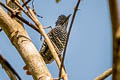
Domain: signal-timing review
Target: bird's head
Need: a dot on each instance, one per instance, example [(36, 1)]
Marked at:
[(62, 20)]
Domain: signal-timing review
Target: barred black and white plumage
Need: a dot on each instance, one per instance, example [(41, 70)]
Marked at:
[(58, 36)]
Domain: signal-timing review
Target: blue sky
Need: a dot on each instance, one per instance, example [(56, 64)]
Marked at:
[(89, 52)]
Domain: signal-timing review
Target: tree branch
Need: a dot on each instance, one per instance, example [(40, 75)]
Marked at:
[(104, 75), (32, 16), (20, 17), (20, 39), (73, 17), (116, 39), (9, 69)]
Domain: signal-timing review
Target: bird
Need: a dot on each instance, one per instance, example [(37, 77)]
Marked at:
[(58, 36)]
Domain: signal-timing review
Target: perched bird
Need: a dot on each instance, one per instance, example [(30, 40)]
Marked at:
[(58, 36)]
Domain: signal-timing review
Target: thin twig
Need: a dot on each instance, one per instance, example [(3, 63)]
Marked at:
[(8, 68), (33, 4), (20, 18), (28, 14), (25, 21), (6, 7), (34, 10), (19, 6), (104, 75), (28, 23), (26, 3), (73, 17)]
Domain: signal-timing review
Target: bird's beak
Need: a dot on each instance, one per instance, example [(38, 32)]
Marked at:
[(68, 17), (66, 20)]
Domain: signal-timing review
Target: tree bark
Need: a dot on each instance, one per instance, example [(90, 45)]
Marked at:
[(22, 42), (116, 39)]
